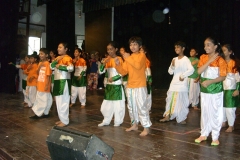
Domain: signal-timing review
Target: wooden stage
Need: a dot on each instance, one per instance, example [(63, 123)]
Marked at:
[(23, 138)]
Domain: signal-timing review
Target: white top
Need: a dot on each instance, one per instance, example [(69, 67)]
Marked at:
[(183, 68)]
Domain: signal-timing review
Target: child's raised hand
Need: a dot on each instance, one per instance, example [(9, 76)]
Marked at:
[(126, 55), (235, 93), (79, 77), (106, 60), (117, 62), (196, 80), (180, 78), (213, 57), (206, 83), (29, 67), (30, 79), (110, 80)]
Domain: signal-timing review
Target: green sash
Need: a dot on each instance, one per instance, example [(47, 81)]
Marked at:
[(59, 85), (229, 101), (52, 78), (212, 88), (79, 83), (113, 92)]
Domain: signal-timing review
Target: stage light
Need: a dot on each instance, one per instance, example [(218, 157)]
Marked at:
[(165, 11)]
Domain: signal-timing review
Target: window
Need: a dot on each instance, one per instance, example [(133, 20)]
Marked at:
[(33, 45)]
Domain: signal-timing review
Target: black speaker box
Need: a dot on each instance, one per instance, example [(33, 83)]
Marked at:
[(69, 144)]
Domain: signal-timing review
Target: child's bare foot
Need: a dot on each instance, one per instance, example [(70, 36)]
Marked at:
[(132, 128), (144, 132), (166, 119), (195, 107), (71, 104), (230, 129), (215, 143), (200, 139), (224, 124), (58, 122), (82, 106), (26, 105), (61, 125)]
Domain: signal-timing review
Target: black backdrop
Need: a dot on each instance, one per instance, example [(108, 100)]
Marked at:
[(191, 21)]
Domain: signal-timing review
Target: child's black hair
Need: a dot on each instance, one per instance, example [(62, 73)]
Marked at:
[(136, 39), (45, 50), (216, 42), (180, 43), (115, 45)]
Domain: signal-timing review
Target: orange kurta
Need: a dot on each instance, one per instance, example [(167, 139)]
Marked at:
[(66, 61), (218, 62), (31, 72), (134, 66), (44, 75)]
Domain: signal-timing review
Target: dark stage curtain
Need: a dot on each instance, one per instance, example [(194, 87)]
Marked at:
[(92, 5)]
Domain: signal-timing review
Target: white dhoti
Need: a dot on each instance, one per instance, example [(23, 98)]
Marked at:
[(113, 107), (31, 92), (80, 92), (110, 108), (177, 105), (42, 103), (229, 115), (62, 103), (194, 92), (211, 114), (137, 106)]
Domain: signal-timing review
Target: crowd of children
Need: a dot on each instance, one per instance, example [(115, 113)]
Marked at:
[(209, 84)]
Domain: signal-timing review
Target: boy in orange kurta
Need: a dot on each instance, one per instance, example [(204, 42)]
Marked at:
[(43, 100), (32, 76), (135, 66)]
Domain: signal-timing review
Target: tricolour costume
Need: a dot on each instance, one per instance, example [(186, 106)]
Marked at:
[(149, 80), (230, 84), (212, 97), (43, 100), (177, 101), (114, 98), (79, 85), (61, 88), (194, 87)]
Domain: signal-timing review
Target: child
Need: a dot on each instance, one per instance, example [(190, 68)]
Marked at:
[(24, 76), (148, 77), (213, 70), (53, 54), (124, 78), (62, 66), (135, 66), (114, 98), (93, 76), (105, 80), (79, 81), (193, 80), (231, 89), (43, 100), (20, 71), (31, 72), (177, 101)]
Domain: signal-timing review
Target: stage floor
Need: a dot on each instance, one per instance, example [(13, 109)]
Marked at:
[(24, 138)]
